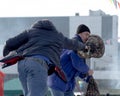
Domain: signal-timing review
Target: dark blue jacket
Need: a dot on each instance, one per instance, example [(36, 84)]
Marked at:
[(41, 39), (73, 66)]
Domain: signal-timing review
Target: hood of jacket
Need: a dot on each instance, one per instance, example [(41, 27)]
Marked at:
[(44, 24)]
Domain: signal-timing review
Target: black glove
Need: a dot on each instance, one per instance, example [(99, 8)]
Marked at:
[(51, 69)]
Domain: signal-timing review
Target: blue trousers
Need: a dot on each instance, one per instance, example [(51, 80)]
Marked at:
[(33, 76)]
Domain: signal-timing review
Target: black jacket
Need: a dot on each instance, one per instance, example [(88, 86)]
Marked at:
[(41, 39)]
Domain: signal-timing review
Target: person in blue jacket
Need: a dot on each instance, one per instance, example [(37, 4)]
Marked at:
[(73, 65), (41, 46)]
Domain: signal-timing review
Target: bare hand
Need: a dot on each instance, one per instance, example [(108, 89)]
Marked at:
[(90, 72)]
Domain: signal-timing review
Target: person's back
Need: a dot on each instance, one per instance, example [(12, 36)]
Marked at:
[(44, 40)]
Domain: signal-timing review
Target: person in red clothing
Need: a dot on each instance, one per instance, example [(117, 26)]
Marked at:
[(2, 75)]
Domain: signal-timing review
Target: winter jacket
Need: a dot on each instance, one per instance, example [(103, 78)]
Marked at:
[(41, 39), (73, 66)]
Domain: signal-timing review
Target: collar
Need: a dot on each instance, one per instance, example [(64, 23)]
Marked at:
[(78, 38)]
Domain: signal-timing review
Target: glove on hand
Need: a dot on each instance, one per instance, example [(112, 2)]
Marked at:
[(51, 69)]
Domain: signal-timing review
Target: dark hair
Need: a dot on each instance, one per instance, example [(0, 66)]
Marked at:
[(82, 28)]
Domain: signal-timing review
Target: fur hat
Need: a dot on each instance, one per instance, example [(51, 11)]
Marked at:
[(82, 28)]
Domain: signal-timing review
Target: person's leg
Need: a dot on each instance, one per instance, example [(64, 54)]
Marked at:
[(56, 92), (36, 77), (22, 76), (69, 93)]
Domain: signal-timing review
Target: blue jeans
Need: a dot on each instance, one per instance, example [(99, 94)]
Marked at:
[(60, 93), (33, 76)]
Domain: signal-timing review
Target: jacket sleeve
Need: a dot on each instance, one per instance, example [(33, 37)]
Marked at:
[(73, 44), (79, 63), (84, 77), (15, 42)]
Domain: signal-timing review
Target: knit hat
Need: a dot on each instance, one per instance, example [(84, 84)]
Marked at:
[(82, 28)]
